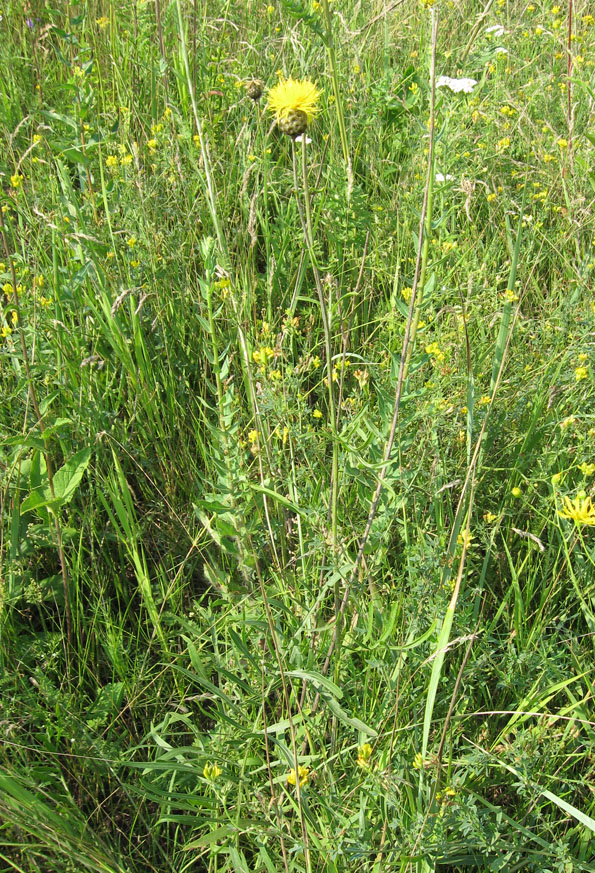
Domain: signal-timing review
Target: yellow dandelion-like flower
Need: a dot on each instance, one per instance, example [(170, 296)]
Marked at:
[(580, 510), (294, 103)]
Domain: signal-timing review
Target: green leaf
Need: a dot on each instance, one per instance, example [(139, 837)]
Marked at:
[(76, 156), (354, 723), (67, 479), (317, 679), (65, 483)]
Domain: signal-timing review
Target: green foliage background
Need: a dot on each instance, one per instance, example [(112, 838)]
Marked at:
[(160, 302)]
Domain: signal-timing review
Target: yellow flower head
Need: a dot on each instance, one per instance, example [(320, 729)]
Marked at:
[(292, 95), (303, 775), (580, 510)]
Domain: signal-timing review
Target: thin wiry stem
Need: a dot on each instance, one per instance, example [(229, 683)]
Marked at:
[(408, 339), (306, 215), (330, 44)]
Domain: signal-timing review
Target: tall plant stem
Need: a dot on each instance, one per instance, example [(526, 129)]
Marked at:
[(287, 694), (425, 222), (40, 422), (569, 83), (326, 326), (206, 160), (330, 45)]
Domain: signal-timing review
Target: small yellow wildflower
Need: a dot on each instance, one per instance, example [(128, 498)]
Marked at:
[(36, 138), (464, 539), (316, 413), (580, 373), (303, 774), (504, 143), (580, 510), (16, 180), (270, 10), (211, 771), (5, 331), (253, 436), (556, 479), (587, 469), (364, 753), (490, 517), (46, 301), (131, 242), (111, 161), (102, 22), (433, 349), (516, 491), (562, 143), (362, 377), (418, 761), (263, 355), (406, 294), (152, 144)]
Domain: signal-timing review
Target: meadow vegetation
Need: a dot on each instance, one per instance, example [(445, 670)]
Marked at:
[(297, 563)]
